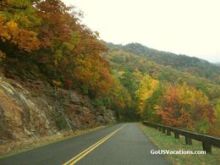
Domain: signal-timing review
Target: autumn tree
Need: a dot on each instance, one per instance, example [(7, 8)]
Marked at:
[(17, 27), (130, 80), (121, 101), (147, 87), (215, 128), (150, 112), (93, 75), (186, 107)]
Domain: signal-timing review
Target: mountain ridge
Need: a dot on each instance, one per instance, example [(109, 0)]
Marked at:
[(144, 48), (194, 65)]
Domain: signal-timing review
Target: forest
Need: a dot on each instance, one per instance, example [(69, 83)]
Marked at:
[(137, 82)]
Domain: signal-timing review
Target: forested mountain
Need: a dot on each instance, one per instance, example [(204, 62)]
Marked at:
[(180, 62), (158, 79), (125, 59)]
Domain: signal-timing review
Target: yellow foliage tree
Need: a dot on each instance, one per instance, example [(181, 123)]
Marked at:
[(146, 88)]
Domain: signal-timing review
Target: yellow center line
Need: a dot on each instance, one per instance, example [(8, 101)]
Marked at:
[(85, 152), (89, 148)]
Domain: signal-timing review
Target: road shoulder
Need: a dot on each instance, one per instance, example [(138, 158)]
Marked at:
[(14, 148)]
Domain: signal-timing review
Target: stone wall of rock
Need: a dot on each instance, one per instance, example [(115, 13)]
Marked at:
[(34, 109)]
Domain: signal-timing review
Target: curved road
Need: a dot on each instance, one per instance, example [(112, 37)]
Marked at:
[(121, 144)]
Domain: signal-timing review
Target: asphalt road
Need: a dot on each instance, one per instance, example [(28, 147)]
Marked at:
[(121, 144)]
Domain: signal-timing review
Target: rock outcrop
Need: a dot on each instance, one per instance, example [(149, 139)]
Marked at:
[(34, 109)]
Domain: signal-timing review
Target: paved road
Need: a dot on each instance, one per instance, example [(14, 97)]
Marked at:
[(121, 144)]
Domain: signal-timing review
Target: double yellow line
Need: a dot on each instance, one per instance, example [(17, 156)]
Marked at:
[(82, 154)]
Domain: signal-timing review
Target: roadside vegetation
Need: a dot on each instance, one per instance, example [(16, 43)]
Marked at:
[(162, 141), (46, 40)]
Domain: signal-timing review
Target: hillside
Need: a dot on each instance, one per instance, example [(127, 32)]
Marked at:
[(33, 109), (52, 77), (193, 65), (124, 58), (149, 75)]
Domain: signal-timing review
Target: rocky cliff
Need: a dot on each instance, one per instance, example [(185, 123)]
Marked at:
[(35, 109)]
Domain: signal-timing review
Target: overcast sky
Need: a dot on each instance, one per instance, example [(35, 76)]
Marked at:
[(190, 27)]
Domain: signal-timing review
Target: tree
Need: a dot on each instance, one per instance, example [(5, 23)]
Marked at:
[(151, 103), (146, 88), (17, 22), (215, 129), (92, 74), (186, 107)]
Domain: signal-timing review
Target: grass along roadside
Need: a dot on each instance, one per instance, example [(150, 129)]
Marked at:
[(17, 147), (162, 141)]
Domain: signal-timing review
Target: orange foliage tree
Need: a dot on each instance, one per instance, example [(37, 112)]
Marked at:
[(93, 75), (184, 106), (17, 21)]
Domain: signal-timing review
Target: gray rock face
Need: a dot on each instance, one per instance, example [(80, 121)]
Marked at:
[(20, 114), (26, 113)]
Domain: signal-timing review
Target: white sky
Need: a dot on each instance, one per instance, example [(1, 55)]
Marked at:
[(190, 27)]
